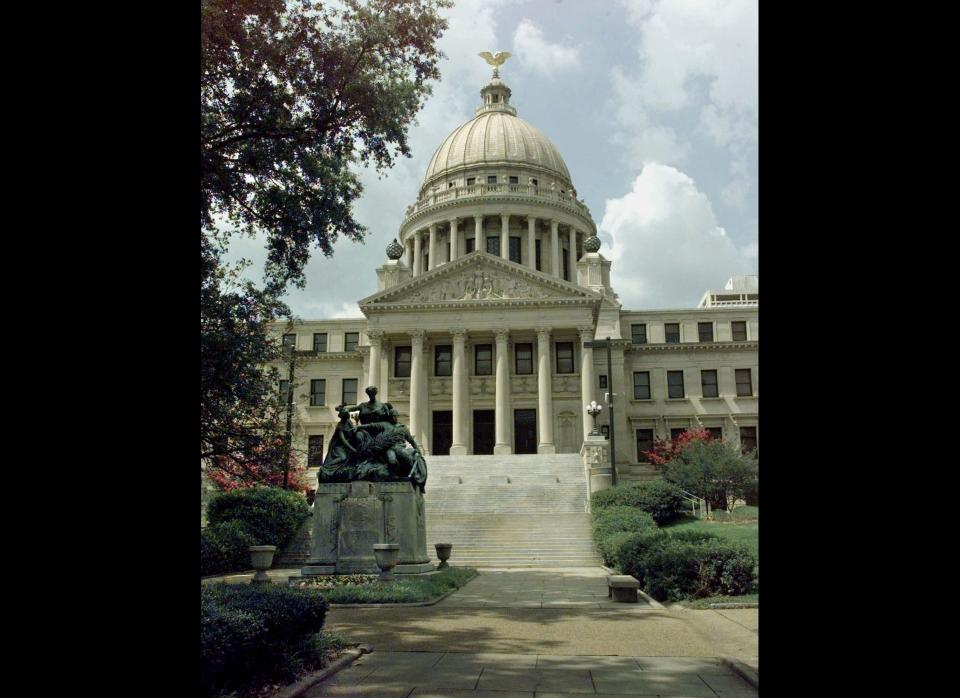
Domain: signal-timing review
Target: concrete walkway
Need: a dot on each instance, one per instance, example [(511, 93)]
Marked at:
[(542, 632)]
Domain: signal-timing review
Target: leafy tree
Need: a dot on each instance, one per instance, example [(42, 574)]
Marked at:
[(715, 470), (295, 96), (230, 473), (665, 450)]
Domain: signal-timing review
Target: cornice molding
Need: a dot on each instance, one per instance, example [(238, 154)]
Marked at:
[(706, 346)]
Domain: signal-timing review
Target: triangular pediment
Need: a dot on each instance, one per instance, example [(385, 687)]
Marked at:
[(480, 278)]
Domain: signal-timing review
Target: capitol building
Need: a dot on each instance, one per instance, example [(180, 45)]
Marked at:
[(486, 304)]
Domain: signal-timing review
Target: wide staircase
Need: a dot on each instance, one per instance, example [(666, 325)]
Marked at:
[(510, 511)]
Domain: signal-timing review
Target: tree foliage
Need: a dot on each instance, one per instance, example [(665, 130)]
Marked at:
[(715, 470), (665, 450), (293, 94), (263, 467)]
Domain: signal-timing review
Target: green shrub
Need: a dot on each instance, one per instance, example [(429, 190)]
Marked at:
[(714, 470), (692, 535), (674, 569), (661, 499), (270, 515), (224, 548), (256, 633), (725, 568), (609, 546), (630, 554), (618, 519)]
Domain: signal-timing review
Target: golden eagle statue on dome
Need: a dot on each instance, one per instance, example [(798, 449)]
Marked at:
[(495, 60)]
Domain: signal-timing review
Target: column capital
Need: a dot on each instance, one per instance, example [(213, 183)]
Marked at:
[(459, 334), (502, 335), (586, 333), (416, 337), (543, 332), (375, 336), (504, 216), (478, 217), (554, 223)]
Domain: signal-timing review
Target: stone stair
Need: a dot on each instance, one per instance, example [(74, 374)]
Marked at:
[(510, 511)]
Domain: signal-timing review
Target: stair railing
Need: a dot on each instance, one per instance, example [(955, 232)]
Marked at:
[(696, 501)]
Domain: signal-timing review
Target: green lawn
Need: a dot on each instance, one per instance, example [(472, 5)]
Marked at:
[(705, 603), (738, 531)]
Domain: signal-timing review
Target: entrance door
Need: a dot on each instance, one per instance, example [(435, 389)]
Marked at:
[(442, 432), (525, 431), (483, 432)]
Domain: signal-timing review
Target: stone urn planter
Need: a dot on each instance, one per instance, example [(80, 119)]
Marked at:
[(387, 555), (443, 553), (262, 558)]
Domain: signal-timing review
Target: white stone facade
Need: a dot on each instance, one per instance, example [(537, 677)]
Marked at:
[(476, 333)]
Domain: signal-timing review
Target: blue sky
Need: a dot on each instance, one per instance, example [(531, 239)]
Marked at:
[(653, 106)]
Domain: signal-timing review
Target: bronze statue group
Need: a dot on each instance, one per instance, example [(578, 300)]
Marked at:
[(375, 449)]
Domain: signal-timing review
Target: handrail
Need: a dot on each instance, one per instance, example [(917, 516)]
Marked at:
[(704, 505)]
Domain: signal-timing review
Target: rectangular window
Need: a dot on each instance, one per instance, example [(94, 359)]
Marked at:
[(536, 244), (638, 333), (320, 342), (739, 331), (350, 341), (748, 439), (705, 331), (676, 432), (426, 261), (289, 341), (493, 245), (491, 179), (534, 182), (675, 384), (744, 383), (515, 250), (603, 382), (483, 360), (708, 380), (524, 359), (644, 444), (715, 433), (443, 360), (641, 385), (471, 181), (605, 431), (349, 391), (471, 245), (284, 391), (401, 362), (315, 451), (318, 392), (564, 357), (514, 180), (672, 332)]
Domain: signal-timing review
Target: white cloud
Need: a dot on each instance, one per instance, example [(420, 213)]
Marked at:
[(347, 310), (535, 53), (666, 245)]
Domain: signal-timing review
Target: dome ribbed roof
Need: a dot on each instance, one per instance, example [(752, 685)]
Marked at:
[(496, 137)]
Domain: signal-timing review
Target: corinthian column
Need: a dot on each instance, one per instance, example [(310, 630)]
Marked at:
[(587, 381), (454, 240), (504, 236), (502, 417), (416, 382), (375, 337), (532, 242), (432, 248), (417, 254), (544, 392), (460, 392), (555, 247), (478, 241)]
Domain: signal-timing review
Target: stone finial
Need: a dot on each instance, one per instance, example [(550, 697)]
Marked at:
[(394, 250), (591, 244)]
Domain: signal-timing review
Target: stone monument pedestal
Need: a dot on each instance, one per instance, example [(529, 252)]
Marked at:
[(595, 453), (350, 517)]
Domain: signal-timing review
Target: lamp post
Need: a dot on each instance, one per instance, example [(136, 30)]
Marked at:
[(605, 344), (593, 409)]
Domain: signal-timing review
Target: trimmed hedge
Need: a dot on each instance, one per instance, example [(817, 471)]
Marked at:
[(270, 515), (251, 634), (661, 499), (620, 519), (676, 567), (224, 548)]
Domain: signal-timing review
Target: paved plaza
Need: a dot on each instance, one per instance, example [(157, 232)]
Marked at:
[(543, 632)]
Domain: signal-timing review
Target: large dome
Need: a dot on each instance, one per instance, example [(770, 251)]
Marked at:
[(496, 138)]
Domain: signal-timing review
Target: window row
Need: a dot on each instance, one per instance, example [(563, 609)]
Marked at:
[(483, 359), (748, 439), (350, 341), (709, 384), (671, 332), (318, 392)]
